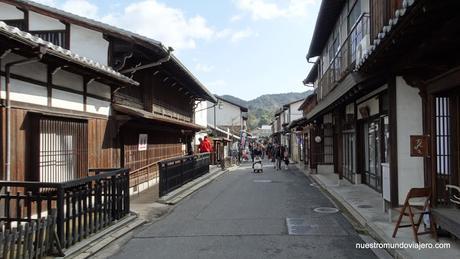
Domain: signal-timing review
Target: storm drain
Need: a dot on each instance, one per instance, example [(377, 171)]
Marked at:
[(262, 181), (327, 210), (364, 206), (298, 226)]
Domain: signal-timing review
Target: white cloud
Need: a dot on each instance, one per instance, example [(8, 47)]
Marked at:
[(158, 21), (81, 7), (239, 35), (47, 2), (217, 84), (235, 35), (265, 9), (235, 18), (155, 20), (203, 68)]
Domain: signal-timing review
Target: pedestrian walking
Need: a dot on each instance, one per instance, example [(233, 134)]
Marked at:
[(278, 157), (286, 158)]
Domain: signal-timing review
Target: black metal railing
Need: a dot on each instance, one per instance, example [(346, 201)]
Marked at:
[(84, 206), (344, 58), (176, 172)]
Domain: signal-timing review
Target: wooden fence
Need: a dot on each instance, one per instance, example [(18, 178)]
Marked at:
[(34, 239), (84, 206)]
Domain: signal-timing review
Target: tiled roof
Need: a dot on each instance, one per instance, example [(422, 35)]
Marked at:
[(151, 43), (386, 30), (13, 32)]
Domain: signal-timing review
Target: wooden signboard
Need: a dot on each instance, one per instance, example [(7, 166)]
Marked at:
[(419, 146)]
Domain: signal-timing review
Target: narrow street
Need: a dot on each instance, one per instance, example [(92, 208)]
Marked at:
[(243, 215)]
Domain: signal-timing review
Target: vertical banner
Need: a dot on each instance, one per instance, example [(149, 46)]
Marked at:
[(143, 138)]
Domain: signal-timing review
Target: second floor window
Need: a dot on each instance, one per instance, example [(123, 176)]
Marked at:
[(20, 24), (56, 37)]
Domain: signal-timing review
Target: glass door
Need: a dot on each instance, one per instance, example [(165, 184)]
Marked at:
[(373, 172)]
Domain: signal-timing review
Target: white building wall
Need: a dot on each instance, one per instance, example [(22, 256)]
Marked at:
[(201, 116), (68, 80), (409, 122), (10, 12), (66, 100), (99, 89), (89, 43), (26, 92), (38, 22), (98, 106), (229, 114), (295, 113)]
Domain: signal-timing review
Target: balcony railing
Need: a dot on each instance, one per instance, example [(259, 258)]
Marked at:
[(344, 59), (168, 110)]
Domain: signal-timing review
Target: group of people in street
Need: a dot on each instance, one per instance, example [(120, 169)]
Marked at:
[(278, 154)]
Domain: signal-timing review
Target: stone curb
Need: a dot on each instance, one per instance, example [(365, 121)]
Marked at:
[(95, 243), (371, 228)]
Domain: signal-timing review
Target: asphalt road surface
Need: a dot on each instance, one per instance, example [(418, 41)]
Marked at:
[(244, 215)]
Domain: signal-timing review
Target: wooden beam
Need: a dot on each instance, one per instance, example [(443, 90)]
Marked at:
[(394, 191)]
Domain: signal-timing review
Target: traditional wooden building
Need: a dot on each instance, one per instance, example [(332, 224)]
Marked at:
[(56, 104), (386, 85), (146, 120)]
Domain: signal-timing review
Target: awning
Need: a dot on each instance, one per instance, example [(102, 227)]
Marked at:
[(151, 116)]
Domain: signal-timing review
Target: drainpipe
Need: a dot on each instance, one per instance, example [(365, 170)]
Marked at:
[(8, 106), (154, 64)]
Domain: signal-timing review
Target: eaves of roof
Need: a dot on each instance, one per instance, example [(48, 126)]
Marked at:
[(329, 12), (117, 32), (51, 49)]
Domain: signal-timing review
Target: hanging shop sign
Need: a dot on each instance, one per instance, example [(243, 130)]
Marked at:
[(143, 142), (419, 146)]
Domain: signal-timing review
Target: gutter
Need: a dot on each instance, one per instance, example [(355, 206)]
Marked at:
[(8, 67), (153, 64)]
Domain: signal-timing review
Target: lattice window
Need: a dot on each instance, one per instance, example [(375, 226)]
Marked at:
[(58, 38), (443, 136), (63, 149)]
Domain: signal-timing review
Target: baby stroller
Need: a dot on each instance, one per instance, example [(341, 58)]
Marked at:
[(257, 165)]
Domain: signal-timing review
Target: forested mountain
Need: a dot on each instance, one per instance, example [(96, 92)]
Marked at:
[(262, 109)]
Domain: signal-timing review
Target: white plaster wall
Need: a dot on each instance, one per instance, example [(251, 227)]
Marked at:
[(35, 70), (97, 106), (295, 113), (89, 43), (25, 92), (409, 122), (66, 100), (38, 22), (99, 89), (229, 114), (68, 80), (10, 12), (201, 117)]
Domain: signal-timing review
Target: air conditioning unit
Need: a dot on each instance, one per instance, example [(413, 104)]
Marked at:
[(362, 47)]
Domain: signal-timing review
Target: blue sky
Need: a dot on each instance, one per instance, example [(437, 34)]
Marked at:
[(245, 48)]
